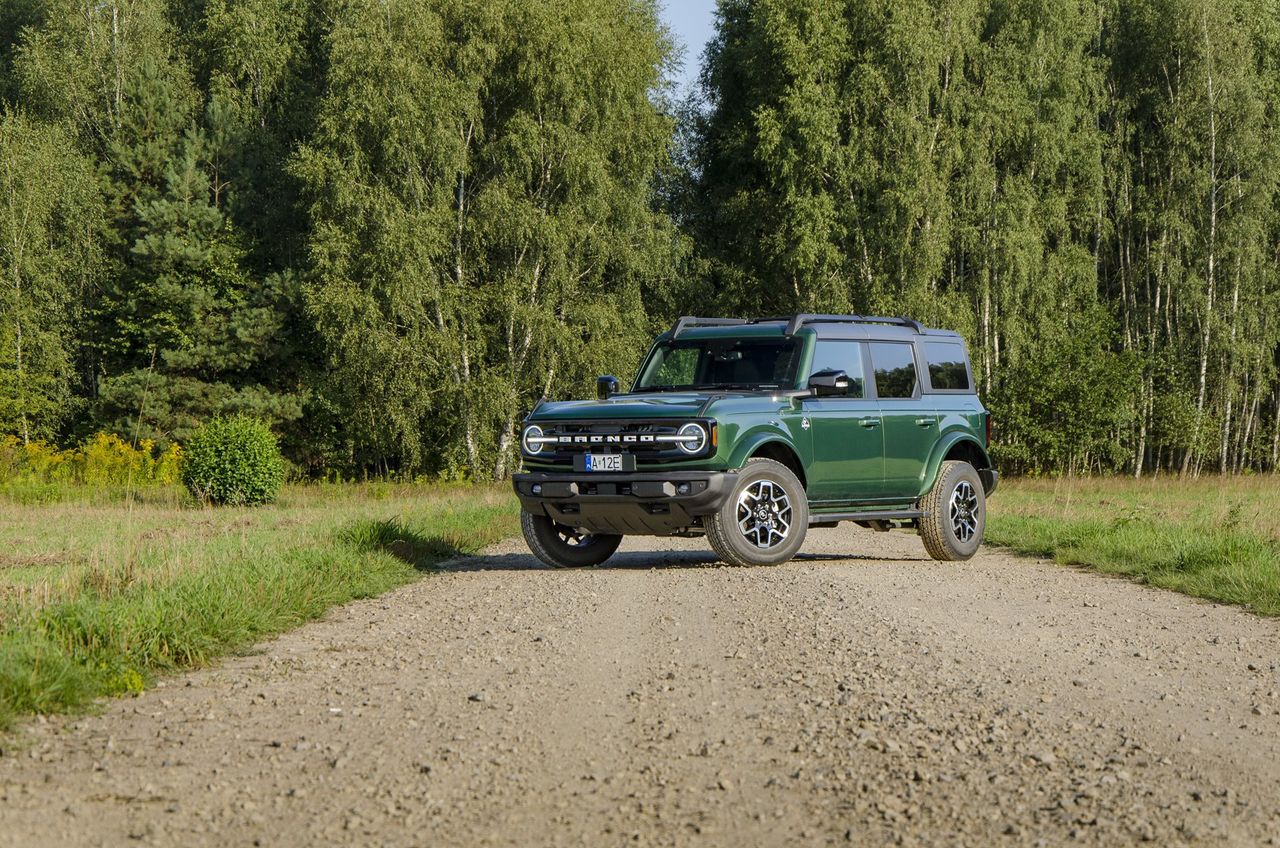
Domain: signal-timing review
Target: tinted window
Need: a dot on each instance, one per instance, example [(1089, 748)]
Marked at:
[(840, 356), (947, 366), (895, 368), (675, 366), (721, 363)]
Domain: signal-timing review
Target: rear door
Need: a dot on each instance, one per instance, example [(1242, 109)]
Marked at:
[(848, 443), (910, 425)]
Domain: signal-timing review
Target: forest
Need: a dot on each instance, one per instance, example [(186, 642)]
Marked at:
[(388, 228)]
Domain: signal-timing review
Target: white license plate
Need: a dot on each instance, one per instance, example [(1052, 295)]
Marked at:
[(603, 461)]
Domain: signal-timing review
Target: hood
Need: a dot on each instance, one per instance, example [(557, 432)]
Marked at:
[(664, 405)]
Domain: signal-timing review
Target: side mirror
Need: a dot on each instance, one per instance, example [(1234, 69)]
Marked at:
[(607, 386), (829, 384)]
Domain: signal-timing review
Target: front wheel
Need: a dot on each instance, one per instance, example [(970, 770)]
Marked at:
[(560, 546), (764, 520), (955, 513)]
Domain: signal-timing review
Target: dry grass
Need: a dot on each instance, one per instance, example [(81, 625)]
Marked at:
[(1249, 502)]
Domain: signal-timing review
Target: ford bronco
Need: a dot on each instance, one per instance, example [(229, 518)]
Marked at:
[(753, 431)]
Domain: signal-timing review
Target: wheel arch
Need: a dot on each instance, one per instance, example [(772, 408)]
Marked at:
[(769, 445), (961, 446)]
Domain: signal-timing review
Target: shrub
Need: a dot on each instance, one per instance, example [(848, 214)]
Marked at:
[(104, 460), (233, 461)]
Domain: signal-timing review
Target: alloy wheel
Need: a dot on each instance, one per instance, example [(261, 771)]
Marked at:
[(572, 537), (964, 511), (764, 514)]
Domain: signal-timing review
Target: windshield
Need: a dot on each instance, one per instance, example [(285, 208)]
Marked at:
[(721, 364)]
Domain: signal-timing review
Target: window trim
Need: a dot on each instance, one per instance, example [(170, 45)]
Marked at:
[(968, 367)]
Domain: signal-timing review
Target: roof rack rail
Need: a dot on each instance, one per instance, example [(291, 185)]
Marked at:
[(795, 322), (689, 321)]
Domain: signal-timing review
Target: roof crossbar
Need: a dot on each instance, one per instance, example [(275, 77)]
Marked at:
[(795, 322), (688, 321)]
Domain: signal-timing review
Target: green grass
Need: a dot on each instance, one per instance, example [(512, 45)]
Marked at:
[(99, 593), (1215, 537)]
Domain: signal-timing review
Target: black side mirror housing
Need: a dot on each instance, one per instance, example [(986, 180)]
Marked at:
[(607, 386), (830, 384)]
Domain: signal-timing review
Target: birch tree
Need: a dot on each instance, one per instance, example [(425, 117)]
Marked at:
[(48, 199)]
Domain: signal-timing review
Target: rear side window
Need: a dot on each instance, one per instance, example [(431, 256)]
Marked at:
[(948, 368), (895, 368), (840, 356)]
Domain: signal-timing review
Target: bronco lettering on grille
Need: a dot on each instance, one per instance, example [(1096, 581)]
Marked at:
[(605, 440)]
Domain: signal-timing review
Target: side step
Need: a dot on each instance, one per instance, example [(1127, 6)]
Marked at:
[(866, 515)]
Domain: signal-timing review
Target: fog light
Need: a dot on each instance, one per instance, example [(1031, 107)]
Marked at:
[(536, 488), (682, 489)]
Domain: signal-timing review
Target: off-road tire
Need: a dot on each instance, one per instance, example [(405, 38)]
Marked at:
[(546, 543), (727, 539), (938, 528)]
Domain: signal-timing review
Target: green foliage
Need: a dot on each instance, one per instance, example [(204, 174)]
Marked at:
[(1085, 189), (49, 200), (233, 461), (192, 333), (480, 190), (389, 229)]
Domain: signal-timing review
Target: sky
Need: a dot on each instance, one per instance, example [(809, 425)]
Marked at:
[(691, 22)]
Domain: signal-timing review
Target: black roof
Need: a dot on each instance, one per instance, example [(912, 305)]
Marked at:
[(829, 326)]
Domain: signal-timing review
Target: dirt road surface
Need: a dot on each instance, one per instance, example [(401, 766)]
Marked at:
[(860, 695)]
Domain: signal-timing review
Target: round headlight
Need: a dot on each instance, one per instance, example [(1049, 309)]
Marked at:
[(532, 433), (693, 438)]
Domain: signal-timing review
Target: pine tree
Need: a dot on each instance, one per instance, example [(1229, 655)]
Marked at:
[(190, 334)]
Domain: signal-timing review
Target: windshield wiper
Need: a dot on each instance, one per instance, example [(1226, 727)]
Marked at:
[(753, 387), (711, 387)]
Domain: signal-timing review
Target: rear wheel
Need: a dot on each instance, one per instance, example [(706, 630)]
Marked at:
[(955, 513), (765, 519), (561, 546)]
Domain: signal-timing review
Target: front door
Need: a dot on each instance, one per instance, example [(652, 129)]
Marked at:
[(910, 425), (848, 447)]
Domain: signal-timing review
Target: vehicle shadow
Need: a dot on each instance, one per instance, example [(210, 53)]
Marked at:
[(627, 561), (435, 553)]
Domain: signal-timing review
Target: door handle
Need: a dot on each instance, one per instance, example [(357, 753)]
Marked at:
[(870, 423), (926, 422)]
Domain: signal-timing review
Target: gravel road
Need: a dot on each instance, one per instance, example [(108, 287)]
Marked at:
[(861, 694)]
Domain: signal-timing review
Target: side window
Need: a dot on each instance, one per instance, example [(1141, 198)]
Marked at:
[(840, 356), (895, 368), (948, 368)]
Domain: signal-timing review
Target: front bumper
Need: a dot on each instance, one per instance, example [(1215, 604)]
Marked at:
[(652, 503)]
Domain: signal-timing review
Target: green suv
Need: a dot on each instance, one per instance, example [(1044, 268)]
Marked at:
[(753, 431)]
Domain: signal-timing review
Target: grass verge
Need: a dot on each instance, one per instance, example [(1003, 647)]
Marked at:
[(97, 598), (1216, 538)]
